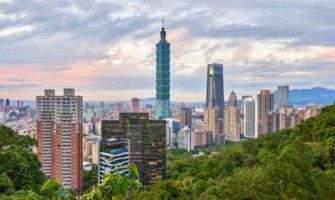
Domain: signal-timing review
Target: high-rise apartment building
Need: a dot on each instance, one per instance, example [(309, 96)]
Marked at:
[(242, 103), (313, 110), (146, 146), (232, 124), (186, 139), (163, 108), (59, 135), (211, 122), (200, 135), (272, 121), (288, 117), (215, 90), (135, 104), (186, 117), (282, 96), (265, 106), (250, 125), (232, 101)]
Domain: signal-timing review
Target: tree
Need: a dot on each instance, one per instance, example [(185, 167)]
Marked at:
[(20, 168), (115, 186)]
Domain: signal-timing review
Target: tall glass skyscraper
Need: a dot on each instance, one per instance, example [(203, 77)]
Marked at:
[(214, 95), (163, 108), (282, 96)]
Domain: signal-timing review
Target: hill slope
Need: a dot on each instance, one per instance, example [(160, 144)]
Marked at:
[(298, 163)]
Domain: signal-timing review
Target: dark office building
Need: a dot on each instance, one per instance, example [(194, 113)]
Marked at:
[(147, 146), (215, 96), (186, 117)]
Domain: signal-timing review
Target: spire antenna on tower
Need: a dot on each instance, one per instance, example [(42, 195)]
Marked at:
[(162, 22)]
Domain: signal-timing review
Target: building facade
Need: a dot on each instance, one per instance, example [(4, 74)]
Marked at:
[(135, 104), (282, 96), (250, 125), (242, 103), (59, 135), (312, 111), (186, 139), (265, 101), (163, 107), (232, 101), (288, 117), (113, 156), (186, 117), (211, 122), (215, 88), (147, 145), (232, 124)]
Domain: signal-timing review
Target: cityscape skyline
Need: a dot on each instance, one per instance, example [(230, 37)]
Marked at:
[(101, 47)]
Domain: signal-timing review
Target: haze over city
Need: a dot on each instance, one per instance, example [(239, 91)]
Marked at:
[(106, 49)]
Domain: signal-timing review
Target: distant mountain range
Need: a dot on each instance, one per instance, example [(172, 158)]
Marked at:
[(317, 95)]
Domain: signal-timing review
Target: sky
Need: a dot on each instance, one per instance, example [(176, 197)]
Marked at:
[(105, 49)]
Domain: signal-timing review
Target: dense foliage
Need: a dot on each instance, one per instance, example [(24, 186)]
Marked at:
[(288, 164), (90, 178), (19, 166)]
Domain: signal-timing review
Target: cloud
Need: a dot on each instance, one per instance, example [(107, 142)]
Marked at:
[(106, 45)]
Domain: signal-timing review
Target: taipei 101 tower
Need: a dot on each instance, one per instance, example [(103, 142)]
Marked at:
[(163, 108)]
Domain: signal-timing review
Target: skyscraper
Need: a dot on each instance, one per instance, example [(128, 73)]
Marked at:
[(265, 103), (146, 147), (232, 124), (232, 119), (186, 117), (242, 103), (250, 126), (59, 135), (232, 101), (1, 102), (163, 108), (135, 104), (211, 120), (215, 89), (282, 96), (186, 139)]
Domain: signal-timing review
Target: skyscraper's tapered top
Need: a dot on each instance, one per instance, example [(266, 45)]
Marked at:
[(163, 33)]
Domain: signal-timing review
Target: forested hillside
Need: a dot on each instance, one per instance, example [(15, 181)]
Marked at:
[(288, 164)]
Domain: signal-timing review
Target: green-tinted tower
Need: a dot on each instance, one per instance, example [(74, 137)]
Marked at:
[(163, 108)]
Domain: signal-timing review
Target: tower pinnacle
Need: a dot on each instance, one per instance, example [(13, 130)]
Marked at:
[(162, 22)]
